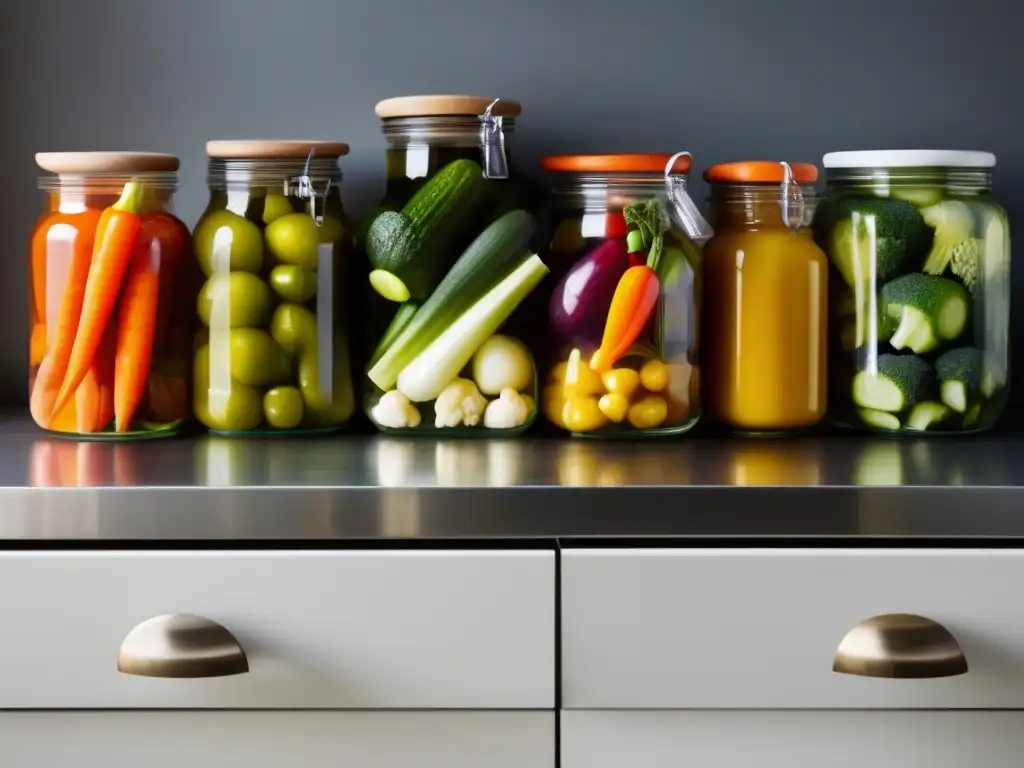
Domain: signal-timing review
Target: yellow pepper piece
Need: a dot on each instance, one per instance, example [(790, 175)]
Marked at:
[(622, 381), (648, 413), (558, 372), (553, 403), (654, 375), (582, 414), (580, 380), (614, 405)]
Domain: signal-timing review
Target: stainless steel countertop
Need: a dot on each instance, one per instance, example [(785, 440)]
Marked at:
[(355, 487)]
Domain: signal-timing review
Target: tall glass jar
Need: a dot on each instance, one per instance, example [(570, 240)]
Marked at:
[(449, 261), (920, 306), (271, 355), (620, 342), (111, 281), (765, 302)]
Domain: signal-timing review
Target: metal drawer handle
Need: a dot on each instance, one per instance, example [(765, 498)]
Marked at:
[(900, 645), (181, 645)]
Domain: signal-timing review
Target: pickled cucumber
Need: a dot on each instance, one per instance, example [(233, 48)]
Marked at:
[(293, 283), (239, 298), (226, 242), (256, 359)]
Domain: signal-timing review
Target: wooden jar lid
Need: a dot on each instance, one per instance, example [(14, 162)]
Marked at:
[(431, 106), (107, 162), (269, 149)]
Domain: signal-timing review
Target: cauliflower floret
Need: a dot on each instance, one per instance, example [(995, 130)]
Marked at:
[(459, 403), (395, 410), (510, 410), (963, 261)]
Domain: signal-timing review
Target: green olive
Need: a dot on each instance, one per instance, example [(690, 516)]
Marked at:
[(293, 283), (234, 408), (294, 328), (275, 206), (283, 407), (293, 239), (327, 409), (255, 358), (233, 300), (331, 230), (224, 241)]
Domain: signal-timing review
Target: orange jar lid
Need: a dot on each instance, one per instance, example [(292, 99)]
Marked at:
[(628, 163), (759, 172)]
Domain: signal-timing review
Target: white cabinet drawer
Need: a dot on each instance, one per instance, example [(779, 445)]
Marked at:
[(275, 739), (347, 630), (727, 739), (705, 629)]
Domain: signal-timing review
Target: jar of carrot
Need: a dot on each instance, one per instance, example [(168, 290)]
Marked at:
[(113, 289)]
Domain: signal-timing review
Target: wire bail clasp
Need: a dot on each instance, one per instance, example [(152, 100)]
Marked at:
[(682, 210), (303, 187), (492, 144), (792, 202)]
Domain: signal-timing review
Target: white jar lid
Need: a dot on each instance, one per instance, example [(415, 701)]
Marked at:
[(910, 158)]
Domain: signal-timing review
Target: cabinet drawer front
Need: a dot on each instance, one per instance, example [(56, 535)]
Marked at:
[(726, 739), (357, 630), (705, 629), (275, 739)]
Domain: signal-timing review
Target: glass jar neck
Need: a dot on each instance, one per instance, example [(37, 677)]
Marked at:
[(438, 131), (276, 174), (605, 192), (958, 181), (74, 193), (754, 206)]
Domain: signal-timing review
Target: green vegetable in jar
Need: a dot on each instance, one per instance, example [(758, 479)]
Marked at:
[(275, 206), (224, 241), (953, 223), (899, 382), (929, 309), (237, 409), (293, 327), (255, 358), (282, 407), (237, 298), (323, 408), (294, 239), (293, 283)]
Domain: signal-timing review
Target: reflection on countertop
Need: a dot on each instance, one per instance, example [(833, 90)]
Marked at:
[(38, 461), (354, 487)]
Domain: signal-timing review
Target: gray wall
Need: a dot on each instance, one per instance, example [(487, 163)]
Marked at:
[(725, 79)]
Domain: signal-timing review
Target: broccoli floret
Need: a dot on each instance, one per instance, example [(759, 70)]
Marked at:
[(899, 382), (963, 261), (930, 309), (899, 236), (959, 372), (953, 223), (871, 241)]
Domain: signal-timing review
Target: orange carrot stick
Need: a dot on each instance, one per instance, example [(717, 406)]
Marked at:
[(94, 398), (115, 242), (136, 326), (66, 325), (635, 297)]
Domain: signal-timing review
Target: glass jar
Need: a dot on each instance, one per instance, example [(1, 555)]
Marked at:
[(272, 353), (765, 299), (920, 304), (449, 261), (620, 343), (111, 280)]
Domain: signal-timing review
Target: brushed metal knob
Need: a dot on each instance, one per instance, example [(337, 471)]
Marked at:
[(900, 645), (179, 646)]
